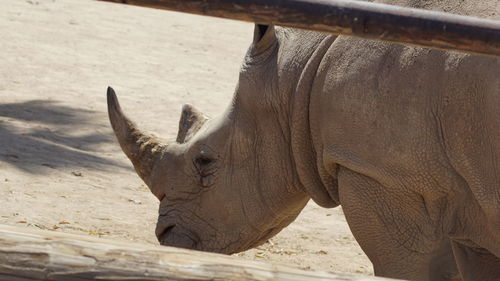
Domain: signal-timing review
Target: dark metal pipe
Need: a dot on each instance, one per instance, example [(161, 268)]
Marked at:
[(354, 18)]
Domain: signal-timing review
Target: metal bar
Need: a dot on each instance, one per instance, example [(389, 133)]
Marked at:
[(354, 18)]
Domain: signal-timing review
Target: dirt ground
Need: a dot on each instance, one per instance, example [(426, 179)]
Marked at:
[(60, 166)]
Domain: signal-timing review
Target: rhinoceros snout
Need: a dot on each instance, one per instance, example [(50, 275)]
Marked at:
[(163, 230), (175, 236)]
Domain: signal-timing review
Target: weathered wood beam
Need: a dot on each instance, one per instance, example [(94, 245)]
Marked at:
[(354, 18), (27, 254)]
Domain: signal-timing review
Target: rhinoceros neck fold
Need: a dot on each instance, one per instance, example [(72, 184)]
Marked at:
[(315, 180)]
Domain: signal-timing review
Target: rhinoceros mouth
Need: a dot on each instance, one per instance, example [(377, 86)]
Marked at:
[(163, 231), (175, 236), (164, 223)]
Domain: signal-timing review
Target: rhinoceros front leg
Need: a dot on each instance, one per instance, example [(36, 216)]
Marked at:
[(397, 253), (476, 263)]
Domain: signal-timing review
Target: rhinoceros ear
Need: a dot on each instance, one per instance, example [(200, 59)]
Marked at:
[(190, 122), (263, 36)]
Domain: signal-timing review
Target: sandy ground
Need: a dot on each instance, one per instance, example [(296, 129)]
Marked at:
[(60, 167)]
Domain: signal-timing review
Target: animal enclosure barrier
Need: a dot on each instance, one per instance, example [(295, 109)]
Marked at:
[(27, 254), (355, 18)]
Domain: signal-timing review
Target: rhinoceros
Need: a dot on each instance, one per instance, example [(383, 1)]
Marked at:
[(406, 139)]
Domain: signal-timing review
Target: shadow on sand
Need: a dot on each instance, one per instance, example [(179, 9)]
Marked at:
[(40, 134)]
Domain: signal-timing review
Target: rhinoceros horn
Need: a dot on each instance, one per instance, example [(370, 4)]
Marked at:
[(142, 149)]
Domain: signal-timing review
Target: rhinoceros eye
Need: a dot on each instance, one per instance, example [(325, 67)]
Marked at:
[(204, 158), (206, 170), (203, 161), (205, 164)]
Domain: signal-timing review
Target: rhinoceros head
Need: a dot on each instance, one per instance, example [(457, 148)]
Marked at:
[(226, 184)]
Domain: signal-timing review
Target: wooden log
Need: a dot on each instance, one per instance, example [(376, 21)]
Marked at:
[(354, 18), (27, 254)]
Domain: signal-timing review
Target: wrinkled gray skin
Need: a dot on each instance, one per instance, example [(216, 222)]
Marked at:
[(406, 139)]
